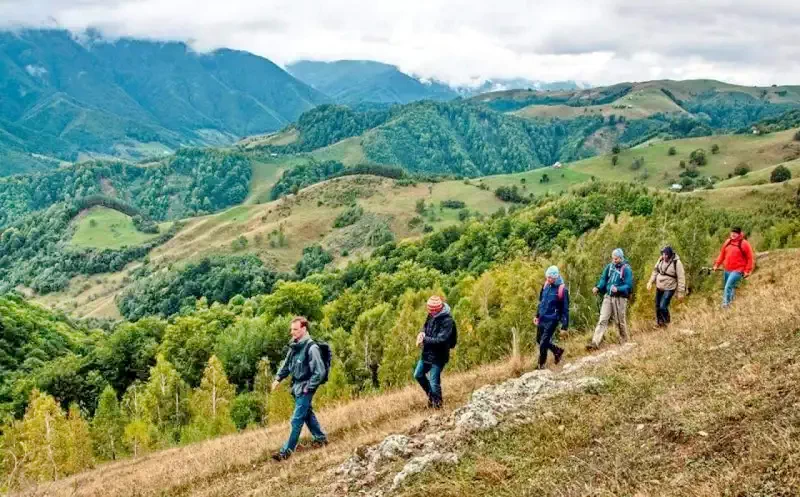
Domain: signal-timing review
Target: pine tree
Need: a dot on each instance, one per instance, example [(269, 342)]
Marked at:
[(262, 385), (107, 425), (211, 403)]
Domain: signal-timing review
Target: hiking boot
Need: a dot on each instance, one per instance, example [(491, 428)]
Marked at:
[(281, 456), (318, 444), (558, 354)]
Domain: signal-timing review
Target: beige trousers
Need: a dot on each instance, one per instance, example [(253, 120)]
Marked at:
[(613, 308)]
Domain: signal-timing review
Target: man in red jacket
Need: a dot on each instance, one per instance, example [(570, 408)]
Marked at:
[(737, 261)]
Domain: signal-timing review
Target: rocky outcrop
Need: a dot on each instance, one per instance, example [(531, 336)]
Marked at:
[(373, 471)]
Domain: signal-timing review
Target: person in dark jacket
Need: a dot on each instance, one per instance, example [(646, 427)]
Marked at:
[(305, 365), (616, 283), (435, 339), (553, 310)]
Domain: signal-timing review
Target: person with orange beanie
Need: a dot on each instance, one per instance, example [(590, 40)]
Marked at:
[(437, 337)]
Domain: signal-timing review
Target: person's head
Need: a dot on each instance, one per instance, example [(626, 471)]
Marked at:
[(435, 305), (299, 328), (736, 232), (552, 274), (667, 253), (617, 256)]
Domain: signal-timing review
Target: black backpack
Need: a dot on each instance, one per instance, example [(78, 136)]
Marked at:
[(453, 341), (327, 356)]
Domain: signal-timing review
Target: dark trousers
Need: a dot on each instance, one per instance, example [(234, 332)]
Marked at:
[(544, 337), (432, 386), (663, 299)]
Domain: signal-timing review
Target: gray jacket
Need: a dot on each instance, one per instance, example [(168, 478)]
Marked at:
[(304, 363)]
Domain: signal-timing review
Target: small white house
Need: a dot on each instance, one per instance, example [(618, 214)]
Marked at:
[(676, 187), (557, 165)]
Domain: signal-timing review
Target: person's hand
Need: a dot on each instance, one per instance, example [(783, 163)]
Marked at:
[(275, 385), (613, 288), (746, 275), (420, 338), (595, 291), (715, 268), (649, 286), (536, 321)]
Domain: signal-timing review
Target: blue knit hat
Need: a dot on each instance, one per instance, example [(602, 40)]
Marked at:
[(618, 253), (552, 272)]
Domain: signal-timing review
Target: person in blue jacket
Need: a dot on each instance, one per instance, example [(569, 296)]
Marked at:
[(616, 283), (553, 310)]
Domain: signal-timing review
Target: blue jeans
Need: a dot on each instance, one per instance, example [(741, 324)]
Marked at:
[(731, 281), (303, 414), (663, 299), (429, 375)]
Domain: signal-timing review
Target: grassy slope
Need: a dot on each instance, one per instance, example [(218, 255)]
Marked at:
[(758, 152), (707, 408), (637, 104), (112, 230)]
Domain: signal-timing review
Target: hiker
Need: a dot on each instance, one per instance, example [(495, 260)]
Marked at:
[(616, 283), (553, 310), (437, 337), (670, 279), (737, 260), (304, 362)]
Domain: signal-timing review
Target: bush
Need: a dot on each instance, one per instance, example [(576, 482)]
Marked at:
[(350, 216), (715, 149), (780, 174), (698, 157), (511, 194), (453, 204), (797, 136), (741, 170), (614, 160), (415, 222), (615, 149), (239, 244), (463, 214), (682, 164), (637, 163), (247, 409), (672, 151), (427, 229)]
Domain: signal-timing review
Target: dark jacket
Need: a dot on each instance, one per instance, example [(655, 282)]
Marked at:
[(438, 329), (551, 308), (620, 276), (304, 363)]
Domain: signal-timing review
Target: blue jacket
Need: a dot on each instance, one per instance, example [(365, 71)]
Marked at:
[(621, 277), (551, 308)]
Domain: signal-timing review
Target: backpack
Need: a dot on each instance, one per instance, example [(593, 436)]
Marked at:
[(741, 240), (327, 356), (453, 340), (673, 262)]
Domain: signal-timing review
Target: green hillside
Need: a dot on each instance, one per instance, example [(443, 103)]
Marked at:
[(359, 81), (721, 106), (121, 98), (104, 228)]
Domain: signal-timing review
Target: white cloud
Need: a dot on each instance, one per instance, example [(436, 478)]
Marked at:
[(605, 41)]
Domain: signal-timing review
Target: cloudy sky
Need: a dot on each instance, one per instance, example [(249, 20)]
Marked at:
[(458, 41)]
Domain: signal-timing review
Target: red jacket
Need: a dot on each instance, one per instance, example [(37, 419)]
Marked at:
[(736, 255)]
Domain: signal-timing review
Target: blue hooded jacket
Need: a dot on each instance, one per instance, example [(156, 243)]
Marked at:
[(620, 276), (551, 308)]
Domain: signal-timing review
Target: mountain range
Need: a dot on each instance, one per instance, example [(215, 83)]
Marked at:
[(63, 96)]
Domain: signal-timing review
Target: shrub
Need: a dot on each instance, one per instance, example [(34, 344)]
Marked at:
[(741, 170), (615, 149), (637, 163), (427, 229), (780, 174), (463, 214), (453, 204), (672, 151), (511, 194), (715, 149), (682, 164), (614, 160), (797, 136), (698, 157), (350, 216)]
